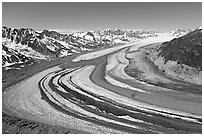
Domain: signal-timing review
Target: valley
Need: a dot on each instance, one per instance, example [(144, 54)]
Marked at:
[(76, 96), (115, 89), (101, 67)]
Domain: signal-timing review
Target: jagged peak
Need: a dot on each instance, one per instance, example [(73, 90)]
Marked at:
[(181, 30), (200, 28)]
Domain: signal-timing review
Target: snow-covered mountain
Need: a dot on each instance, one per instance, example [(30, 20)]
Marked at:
[(48, 44), (180, 32), (10, 57)]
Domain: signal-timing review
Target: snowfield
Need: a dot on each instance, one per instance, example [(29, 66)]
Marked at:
[(100, 53), (163, 37)]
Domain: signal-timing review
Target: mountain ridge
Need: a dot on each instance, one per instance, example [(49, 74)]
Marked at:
[(48, 44)]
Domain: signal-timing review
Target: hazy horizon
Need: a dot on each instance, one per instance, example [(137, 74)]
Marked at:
[(71, 17)]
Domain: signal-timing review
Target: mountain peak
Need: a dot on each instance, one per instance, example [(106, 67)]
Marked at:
[(200, 28)]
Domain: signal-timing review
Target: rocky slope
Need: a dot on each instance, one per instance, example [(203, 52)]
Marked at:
[(185, 50), (181, 57)]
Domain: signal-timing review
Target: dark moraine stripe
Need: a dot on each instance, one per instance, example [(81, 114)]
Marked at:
[(84, 98), (57, 107), (97, 77)]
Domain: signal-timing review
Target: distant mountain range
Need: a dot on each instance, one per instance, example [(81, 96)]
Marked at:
[(25, 44)]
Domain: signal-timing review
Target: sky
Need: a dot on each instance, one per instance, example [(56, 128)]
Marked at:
[(71, 17)]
